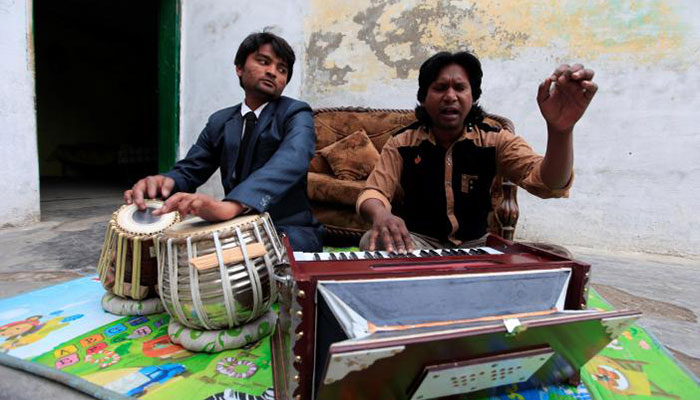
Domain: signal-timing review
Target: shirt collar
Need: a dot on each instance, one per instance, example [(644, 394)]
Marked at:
[(466, 134), (245, 109)]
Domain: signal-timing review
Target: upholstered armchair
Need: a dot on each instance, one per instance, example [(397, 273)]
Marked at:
[(348, 141)]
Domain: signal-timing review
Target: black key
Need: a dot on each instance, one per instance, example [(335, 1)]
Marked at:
[(343, 256), (368, 255), (332, 256), (378, 255), (393, 254), (481, 251), (461, 252), (433, 253), (424, 253), (353, 256), (473, 252), (317, 257), (449, 252)]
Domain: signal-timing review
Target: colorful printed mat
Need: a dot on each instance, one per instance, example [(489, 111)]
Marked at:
[(62, 333)]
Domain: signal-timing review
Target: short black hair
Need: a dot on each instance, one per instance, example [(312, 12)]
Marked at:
[(255, 40), (429, 72)]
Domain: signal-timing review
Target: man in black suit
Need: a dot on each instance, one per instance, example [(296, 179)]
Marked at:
[(263, 147)]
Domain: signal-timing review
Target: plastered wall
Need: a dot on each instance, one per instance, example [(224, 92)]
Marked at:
[(19, 172), (637, 148), (212, 30)]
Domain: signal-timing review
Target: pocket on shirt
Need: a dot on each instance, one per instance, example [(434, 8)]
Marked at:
[(468, 183)]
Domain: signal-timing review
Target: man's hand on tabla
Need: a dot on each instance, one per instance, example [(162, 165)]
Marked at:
[(564, 96), (201, 205), (151, 186)]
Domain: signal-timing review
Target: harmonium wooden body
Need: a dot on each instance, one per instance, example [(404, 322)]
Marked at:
[(434, 324)]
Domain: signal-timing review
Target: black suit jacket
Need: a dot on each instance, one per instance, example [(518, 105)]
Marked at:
[(273, 177)]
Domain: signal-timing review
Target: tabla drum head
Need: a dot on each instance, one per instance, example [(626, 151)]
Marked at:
[(196, 226), (133, 220)]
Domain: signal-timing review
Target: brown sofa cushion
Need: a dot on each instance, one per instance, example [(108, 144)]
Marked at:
[(320, 165), (325, 188), (335, 124), (351, 158)]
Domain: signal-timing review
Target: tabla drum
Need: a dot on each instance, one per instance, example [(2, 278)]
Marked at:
[(128, 266), (219, 276)]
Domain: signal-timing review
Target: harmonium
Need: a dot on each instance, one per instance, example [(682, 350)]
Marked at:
[(434, 323)]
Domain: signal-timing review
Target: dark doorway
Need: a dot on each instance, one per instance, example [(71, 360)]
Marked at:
[(97, 89)]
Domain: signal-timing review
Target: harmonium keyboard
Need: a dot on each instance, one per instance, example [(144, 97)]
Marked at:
[(434, 323)]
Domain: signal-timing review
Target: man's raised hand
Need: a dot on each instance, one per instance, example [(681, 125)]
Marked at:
[(564, 96)]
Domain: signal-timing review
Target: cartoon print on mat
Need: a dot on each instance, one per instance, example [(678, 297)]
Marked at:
[(235, 368), (230, 394), (625, 377), (161, 347), (136, 383), (30, 330), (104, 358), (515, 392), (615, 345)]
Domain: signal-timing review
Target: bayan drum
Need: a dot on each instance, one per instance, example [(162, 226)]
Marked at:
[(128, 266), (219, 277)]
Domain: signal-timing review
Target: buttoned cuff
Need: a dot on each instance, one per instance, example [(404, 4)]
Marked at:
[(246, 210)]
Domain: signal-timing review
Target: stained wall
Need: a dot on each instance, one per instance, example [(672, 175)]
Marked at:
[(637, 176)]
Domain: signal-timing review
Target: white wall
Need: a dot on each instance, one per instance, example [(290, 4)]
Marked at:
[(19, 170), (211, 33), (637, 166), (637, 148)]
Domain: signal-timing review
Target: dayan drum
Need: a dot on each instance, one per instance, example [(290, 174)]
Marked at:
[(219, 276), (128, 266)]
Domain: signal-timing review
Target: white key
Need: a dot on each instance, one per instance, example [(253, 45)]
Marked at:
[(361, 255), (490, 250)]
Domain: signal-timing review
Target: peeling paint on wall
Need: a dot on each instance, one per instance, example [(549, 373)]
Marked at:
[(319, 67), (352, 44)]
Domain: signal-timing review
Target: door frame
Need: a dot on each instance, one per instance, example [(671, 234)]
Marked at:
[(169, 18)]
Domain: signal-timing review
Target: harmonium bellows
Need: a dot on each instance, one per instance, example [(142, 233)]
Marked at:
[(436, 323)]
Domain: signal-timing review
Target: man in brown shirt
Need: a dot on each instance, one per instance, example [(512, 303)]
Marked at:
[(446, 165)]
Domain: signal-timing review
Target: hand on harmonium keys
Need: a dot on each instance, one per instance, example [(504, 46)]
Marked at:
[(392, 232)]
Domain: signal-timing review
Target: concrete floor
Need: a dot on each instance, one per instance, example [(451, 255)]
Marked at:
[(66, 244)]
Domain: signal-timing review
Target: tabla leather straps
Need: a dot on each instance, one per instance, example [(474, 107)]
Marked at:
[(231, 255)]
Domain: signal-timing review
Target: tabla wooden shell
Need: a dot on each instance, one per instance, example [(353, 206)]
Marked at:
[(128, 264), (226, 295)]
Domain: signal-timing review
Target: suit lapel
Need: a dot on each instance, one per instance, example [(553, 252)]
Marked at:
[(232, 137)]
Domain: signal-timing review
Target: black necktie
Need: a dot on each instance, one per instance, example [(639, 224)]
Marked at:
[(250, 120)]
